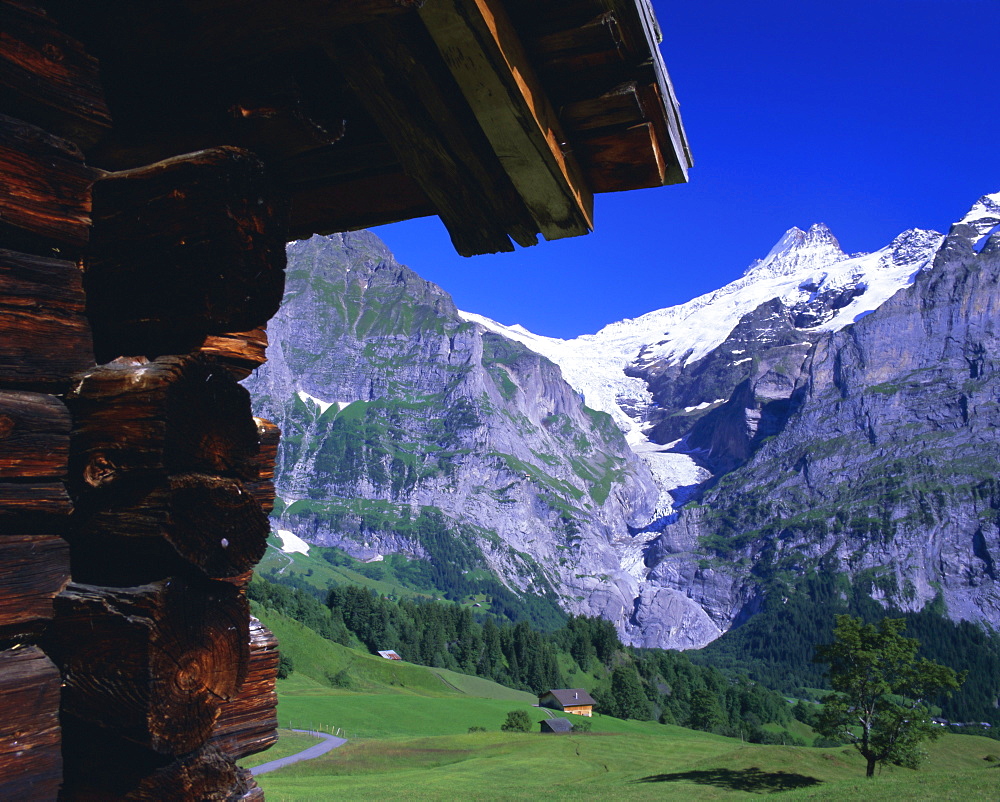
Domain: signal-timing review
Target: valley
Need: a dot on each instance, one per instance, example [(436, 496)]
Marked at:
[(825, 411)]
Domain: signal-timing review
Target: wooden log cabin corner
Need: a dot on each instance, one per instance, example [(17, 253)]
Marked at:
[(154, 158)]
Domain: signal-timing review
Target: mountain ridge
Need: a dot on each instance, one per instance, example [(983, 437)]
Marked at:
[(660, 531)]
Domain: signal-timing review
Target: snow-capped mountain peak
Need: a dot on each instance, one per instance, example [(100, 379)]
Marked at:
[(823, 288), (983, 217), (798, 250)]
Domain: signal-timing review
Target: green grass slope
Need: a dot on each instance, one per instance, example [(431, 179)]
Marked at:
[(681, 764), (316, 660)]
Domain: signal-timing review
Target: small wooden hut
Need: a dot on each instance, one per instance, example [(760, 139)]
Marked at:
[(155, 156)]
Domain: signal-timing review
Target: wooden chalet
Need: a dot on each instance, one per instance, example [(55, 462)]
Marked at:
[(155, 157), (570, 700)]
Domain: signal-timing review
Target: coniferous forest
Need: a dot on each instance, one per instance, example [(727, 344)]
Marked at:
[(627, 683)]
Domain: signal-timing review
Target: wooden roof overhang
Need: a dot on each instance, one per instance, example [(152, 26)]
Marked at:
[(501, 116)]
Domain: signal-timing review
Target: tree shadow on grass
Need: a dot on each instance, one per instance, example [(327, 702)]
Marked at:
[(751, 780)]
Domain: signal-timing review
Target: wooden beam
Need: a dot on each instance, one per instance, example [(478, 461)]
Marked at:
[(30, 755), (363, 202), (35, 570), (45, 202), (101, 765), (395, 70), (34, 507), (248, 723), (134, 419), (483, 52), (239, 352), (213, 32), (47, 78), (153, 662), (181, 249), (137, 532), (622, 159), (34, 436), (44, 334)]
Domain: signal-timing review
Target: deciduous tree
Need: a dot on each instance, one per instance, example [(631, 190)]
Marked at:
[(882, 690)]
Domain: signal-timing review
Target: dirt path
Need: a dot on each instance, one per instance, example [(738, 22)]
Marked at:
[(329, 742)]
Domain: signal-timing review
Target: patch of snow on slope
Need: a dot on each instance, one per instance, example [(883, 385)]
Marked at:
[(985, 212), (323, 405), (984, 217), (292, 543)]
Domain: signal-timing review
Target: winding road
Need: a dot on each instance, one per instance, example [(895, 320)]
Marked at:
[(329, 742)]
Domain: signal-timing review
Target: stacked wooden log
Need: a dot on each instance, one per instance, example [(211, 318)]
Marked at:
[(186, 259), (51, 87), (145, 476)]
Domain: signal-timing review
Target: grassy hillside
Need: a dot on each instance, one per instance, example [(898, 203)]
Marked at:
[(323, 666), (407, 727), (680, 764)]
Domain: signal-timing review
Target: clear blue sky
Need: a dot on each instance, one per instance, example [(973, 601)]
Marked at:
[(872, 116)]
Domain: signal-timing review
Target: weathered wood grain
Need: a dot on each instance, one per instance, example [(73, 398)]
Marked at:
[(263, 486), (47, 78), (248, 723), (30, 755), (348, 204), (153, 663), (176, 414), (487, 58), (34, 436), (198, 524), (44, 333), (393, 69), (610, 160), (34, 507), (34, 569), (240, 352), (182, 249), (45, 197)]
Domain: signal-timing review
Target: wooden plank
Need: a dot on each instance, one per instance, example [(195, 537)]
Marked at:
[(239, 352), (34, 507), (618, 107), (30, 753), (45, 197), (269, 436), (602, 33), (134, 418), (34, 436), (371, 200), (397, 74), (35, 569), (178, 650), (182, 249), (46, 77), (263, 486), (623, 159), (130, 533), (44, 333), (247, 724), (483, 52)]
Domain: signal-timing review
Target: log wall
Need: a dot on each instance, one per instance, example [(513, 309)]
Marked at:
[(130, 305)]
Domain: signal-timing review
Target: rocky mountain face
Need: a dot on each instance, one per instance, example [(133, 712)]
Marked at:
[(408, 430), (824, 412), (885, 470)]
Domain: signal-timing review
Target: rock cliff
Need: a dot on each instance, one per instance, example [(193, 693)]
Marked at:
[(396, 411)]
